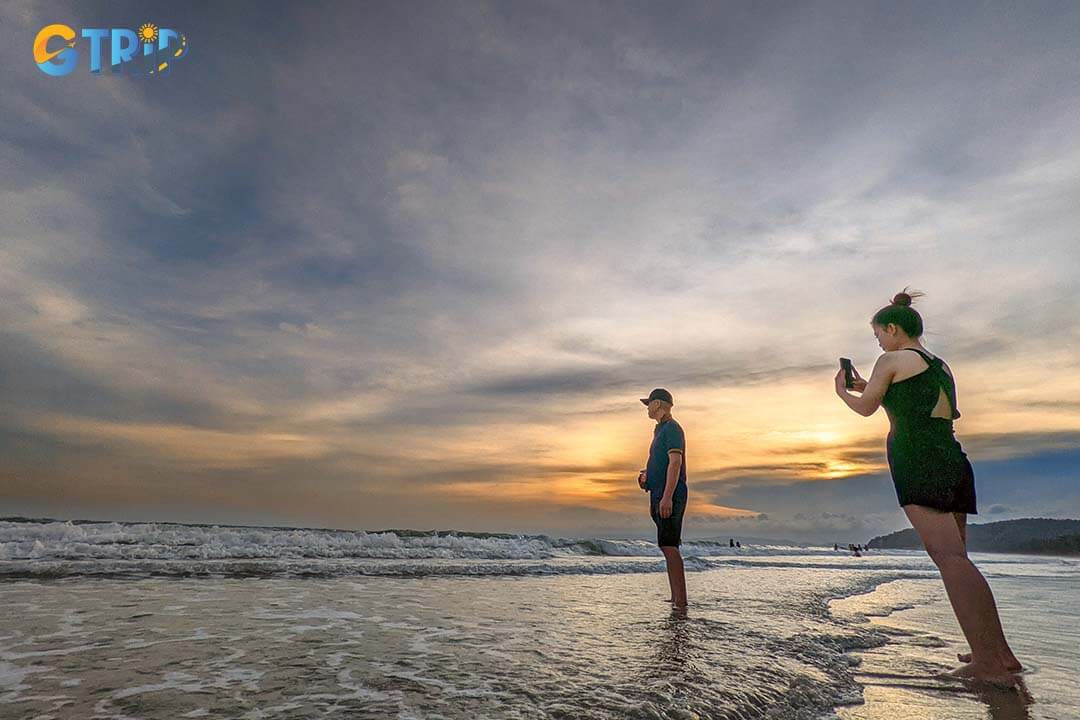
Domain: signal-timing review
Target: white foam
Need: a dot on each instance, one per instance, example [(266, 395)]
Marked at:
[(140, 541), (173, 680), (69, 548), (12, 676), (45, 653), (200, 634), (320, 613)]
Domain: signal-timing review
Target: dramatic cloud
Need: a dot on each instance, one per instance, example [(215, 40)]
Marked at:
[(412, 264)]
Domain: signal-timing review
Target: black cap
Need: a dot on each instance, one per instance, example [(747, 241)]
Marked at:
[(658, 394)]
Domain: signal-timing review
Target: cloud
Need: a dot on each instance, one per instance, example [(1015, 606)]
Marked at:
[(443, 263)]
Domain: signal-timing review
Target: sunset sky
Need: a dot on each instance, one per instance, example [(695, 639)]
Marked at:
[(411, 264)]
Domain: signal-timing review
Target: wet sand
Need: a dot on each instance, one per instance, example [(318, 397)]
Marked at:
[(899, 679)]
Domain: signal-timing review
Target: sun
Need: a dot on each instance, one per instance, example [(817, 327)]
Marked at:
[(148, 32)]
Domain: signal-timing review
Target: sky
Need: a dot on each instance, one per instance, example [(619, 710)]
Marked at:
[(410, 265)]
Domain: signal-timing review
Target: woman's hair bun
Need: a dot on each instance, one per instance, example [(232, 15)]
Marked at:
[(903, 299)]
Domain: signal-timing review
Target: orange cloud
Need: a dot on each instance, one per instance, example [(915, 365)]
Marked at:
[(184, 444)]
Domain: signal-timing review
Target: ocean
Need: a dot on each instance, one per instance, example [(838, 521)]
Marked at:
[(157, 620)]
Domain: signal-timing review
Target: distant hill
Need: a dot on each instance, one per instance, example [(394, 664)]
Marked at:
[(1038, 536)]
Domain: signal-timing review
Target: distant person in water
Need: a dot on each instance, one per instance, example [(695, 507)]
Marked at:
[(664, 478), (934, 480)]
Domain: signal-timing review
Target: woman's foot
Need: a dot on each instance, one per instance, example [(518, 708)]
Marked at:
[(994, 675), (1012, 665)]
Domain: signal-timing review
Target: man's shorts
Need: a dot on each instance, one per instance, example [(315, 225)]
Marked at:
[(669, 529)]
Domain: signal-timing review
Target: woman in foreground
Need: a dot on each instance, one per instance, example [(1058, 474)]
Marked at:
[(934, 481)]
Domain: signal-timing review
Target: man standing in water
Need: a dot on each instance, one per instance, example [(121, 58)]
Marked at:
[(664, 478)]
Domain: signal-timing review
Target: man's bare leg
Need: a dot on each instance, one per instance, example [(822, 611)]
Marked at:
[(676, 575), (670, 578)]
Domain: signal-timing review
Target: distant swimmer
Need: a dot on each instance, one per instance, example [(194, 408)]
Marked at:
[(934, 481), (664, 478)]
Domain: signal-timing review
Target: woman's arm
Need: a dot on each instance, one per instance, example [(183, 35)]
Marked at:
[(870, 400)]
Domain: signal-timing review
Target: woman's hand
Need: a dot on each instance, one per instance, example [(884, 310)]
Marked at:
[(873, 390), (841, 382), (859, 385)]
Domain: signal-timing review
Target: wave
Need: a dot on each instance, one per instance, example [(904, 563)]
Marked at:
[(56, 549)]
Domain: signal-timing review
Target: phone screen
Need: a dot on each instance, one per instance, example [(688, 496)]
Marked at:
[(849, 375)]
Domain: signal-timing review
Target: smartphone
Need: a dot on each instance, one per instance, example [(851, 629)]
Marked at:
[(849, 375)]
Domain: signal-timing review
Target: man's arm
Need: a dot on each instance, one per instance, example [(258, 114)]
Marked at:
[(667, 502), (673, 467)]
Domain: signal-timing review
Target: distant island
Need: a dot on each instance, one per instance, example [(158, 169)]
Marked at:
[(1035, 536)]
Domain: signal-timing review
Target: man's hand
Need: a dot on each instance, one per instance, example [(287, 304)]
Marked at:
[(641, 479), (665, 507)]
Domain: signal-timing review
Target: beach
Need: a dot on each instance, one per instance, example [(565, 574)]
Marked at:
[(167, 621)]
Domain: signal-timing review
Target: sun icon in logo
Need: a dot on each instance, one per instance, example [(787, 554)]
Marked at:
[(148, 32)]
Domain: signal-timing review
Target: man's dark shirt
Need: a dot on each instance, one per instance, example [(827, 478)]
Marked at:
[(667, 435)]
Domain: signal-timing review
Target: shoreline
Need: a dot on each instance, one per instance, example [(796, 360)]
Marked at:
[(1026, 553)]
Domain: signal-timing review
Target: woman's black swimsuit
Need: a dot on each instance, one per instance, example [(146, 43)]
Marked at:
[(927, 464)]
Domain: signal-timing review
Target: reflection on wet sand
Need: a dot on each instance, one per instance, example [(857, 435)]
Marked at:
[(674, 648), (932, 698), (1005, 703)]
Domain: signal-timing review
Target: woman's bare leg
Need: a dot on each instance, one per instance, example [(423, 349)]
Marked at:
[(969, 594), (961, 524)]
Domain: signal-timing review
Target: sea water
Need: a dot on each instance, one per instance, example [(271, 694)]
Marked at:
[(114, 620)]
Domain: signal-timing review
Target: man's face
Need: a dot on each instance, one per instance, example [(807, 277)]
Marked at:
[(655, 409)]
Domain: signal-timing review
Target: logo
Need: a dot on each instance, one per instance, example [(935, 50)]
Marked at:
[(150, 50)]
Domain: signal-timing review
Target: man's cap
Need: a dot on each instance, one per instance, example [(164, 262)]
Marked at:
[(658, 394)]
